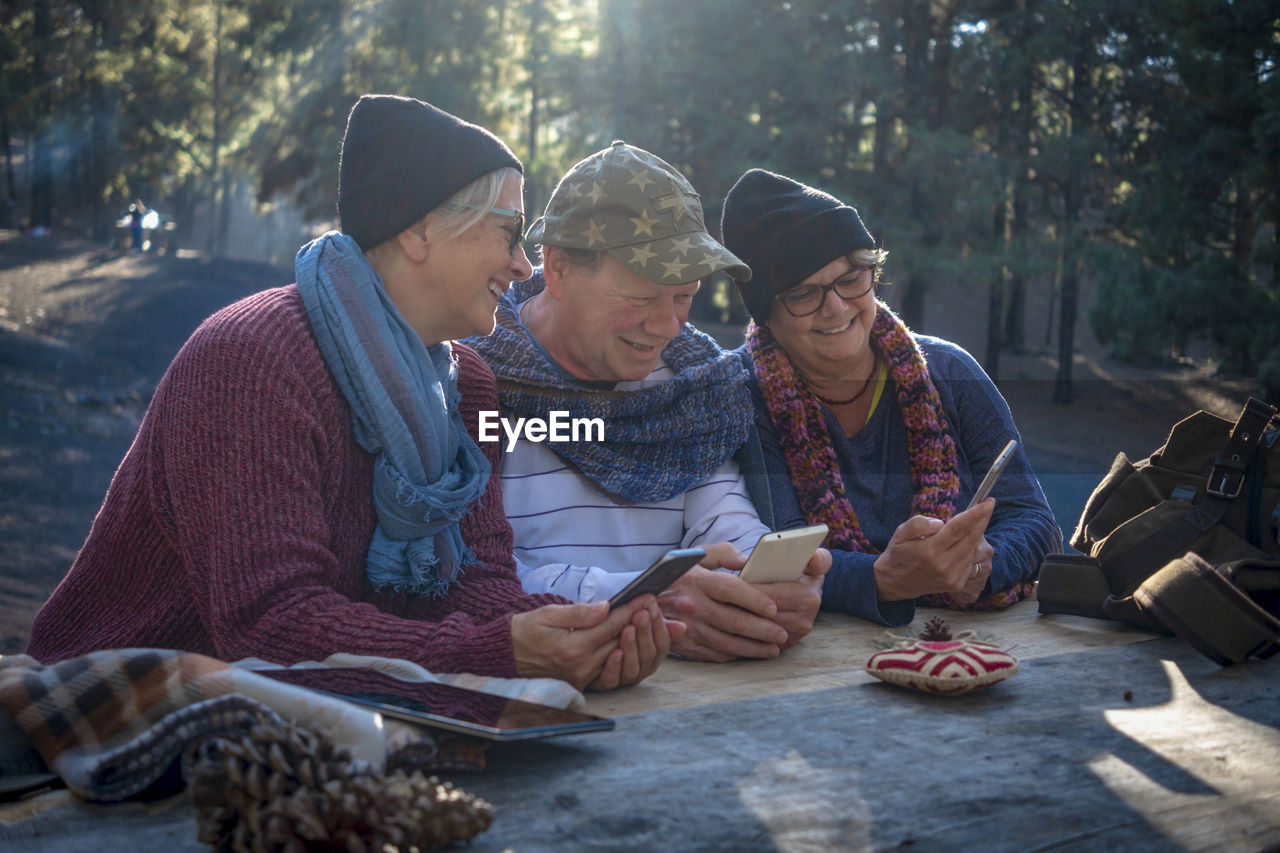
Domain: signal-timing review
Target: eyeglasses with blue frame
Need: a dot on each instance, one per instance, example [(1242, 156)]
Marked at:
[(517, 234)]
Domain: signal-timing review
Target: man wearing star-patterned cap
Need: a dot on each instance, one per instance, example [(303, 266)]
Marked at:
[(600, 332), (638, 209)]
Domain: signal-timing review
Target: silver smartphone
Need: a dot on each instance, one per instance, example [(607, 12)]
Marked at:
[(993, 473), (781, 557)]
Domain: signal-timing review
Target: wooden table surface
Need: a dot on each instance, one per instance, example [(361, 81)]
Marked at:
[(1107, 739)]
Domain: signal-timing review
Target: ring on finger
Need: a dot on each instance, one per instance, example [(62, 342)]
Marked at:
[(977, 569)]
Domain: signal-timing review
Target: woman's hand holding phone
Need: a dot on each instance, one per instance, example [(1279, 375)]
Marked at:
[(591, 645), (926, 555)]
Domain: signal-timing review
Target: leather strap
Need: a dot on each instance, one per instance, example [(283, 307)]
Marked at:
[(1126, 569), (1226, 478), (1202, 606), (1073, 584)]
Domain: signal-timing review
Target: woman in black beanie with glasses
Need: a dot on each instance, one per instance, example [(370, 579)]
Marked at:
[(879, 433)]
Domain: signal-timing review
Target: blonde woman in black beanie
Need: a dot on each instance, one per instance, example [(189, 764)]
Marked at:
[(305, 480), (879, 433)]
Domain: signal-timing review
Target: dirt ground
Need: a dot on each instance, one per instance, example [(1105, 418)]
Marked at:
[(85, 334)]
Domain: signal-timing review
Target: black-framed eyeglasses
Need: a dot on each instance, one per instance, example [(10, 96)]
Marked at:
[(517, 235), (806, 299)]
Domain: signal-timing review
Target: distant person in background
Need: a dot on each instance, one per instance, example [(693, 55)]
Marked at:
[(303, 482), (136, 211), (880, 433), (600, 331)]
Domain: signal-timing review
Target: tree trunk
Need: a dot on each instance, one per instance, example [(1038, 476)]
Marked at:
[(1242, 246), (226, 199), (615, 17), (218, 199), (1015, 320), (915, 288), (41, 210), (999, 240), (11, 183), (1062, 388), (883, 131), (101, 124), (537, 14)]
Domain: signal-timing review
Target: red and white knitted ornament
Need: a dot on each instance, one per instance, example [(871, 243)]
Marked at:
[(943, 666)]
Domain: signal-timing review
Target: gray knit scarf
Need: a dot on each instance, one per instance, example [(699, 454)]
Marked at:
[(660, 440)]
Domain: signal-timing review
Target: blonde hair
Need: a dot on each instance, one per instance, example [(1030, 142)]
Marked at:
[(873, 258), (470, 204), (458, 212)]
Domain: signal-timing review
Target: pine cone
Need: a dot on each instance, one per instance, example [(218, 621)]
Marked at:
[(286, 789), (936, 630)]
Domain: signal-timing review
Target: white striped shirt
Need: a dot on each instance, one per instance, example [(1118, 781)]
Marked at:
[(573, 540)]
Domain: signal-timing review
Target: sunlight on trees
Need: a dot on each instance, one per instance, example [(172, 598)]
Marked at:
[(1023, 147)]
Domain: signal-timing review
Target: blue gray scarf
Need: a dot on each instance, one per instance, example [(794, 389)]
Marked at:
[(404, 407), (660, 439)]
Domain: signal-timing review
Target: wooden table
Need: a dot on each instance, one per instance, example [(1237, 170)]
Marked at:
[(1107, 739)]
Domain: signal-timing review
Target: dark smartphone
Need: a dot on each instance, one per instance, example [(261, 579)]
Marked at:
[(442, 706), (662, 574)]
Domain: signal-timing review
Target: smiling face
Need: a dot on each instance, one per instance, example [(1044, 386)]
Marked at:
[(609, 324), (451, 285), (834, 341)]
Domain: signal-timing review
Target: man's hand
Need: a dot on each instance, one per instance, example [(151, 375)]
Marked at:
[(798, 601), (727, 617), (588, 645), (927, 556)]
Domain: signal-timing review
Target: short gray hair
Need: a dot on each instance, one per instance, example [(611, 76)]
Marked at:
[(459, 211), (873, 258), (470, 204), (587, 260)]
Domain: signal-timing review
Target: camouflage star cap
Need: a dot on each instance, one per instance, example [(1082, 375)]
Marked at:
[(639, 209)]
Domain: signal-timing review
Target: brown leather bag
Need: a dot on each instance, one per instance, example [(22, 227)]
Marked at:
[(1186, 541)]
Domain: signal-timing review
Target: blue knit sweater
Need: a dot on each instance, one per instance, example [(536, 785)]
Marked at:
[(874, 465)]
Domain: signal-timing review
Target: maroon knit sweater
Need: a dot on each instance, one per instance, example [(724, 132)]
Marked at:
[(238, 523)]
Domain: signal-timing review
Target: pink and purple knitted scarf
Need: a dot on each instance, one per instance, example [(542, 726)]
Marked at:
[(811, 459)]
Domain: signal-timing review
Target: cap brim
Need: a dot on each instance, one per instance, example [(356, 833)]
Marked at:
[(680, 259), (533, 234)]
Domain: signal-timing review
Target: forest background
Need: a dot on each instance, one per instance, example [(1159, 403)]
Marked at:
[(1015, 147)]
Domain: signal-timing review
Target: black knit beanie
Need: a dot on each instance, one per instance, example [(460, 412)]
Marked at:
[(401, 158), (785, 231)]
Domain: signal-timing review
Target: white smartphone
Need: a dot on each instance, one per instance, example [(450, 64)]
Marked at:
[(781, 557), (993, 473), (662, 574)]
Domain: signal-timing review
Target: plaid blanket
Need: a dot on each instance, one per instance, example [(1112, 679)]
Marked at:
[(112, 723)]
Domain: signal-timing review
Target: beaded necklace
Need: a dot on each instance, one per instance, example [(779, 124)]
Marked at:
[(834, 403)]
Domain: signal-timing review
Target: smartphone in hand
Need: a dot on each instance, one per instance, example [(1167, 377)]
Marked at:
[(662, 574), (993, 473), (781, 557)]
